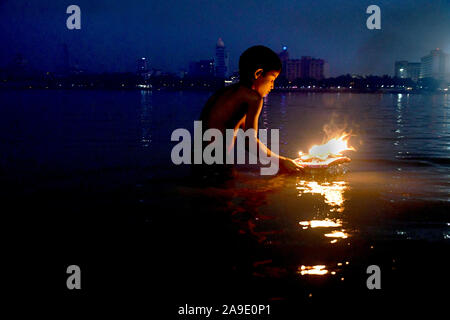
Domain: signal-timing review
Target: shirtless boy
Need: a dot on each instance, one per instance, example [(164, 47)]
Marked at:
[(239, 105)]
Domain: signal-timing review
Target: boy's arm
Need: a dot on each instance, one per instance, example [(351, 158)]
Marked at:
[(241, 124), (251, 122)]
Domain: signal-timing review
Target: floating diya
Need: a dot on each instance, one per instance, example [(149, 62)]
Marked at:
[(327, 154)]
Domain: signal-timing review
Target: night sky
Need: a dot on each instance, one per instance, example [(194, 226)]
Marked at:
[(173, 32)]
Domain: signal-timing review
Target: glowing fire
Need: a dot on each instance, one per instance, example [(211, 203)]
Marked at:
[(312, 270), (327, 223), (337, 234), (333, 148)]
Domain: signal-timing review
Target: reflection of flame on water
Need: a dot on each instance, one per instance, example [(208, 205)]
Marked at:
[(332, 148), (333, 192), (318, 270), (327, 223), (337, 234)]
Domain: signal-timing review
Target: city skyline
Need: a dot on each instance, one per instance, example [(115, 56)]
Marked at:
[(143, 65), (114, 34), (434, 65)]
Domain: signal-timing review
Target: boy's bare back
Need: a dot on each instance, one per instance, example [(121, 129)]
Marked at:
[(229, 107)]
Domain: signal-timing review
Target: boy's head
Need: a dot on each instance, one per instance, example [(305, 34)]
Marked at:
[(259, 66)]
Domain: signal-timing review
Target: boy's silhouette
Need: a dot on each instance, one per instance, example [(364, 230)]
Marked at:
[(239, 105)]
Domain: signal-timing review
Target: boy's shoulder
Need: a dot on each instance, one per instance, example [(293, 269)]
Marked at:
[(247, 93)]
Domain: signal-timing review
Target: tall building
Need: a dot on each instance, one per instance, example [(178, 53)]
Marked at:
[(143, 68), (305, 63), (221, 60), (18, 67), (413, 70), (66, 61), (142, 65), (182, 73), (405, 69), (284, 57), (436, 65), (326, 69), (202, 68), (400, 69), (316, 69), (306, 67), (293, 69)]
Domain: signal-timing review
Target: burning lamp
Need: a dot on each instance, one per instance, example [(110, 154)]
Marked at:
[(327, 154)]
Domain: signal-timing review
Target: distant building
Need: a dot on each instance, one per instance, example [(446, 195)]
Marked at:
[(235, 77), (400, 68), (284, 57), (315, 68), (18, 67), (221, 60), (405, 69), (436, 65), (202, 68), (156, 72), (306, 67), (143, 67), (232, 79), (413, 70), (66, 60), (293, 69), (19, 63), (182, 73)]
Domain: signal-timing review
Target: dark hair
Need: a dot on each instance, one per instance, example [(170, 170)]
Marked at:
[(254, 58)]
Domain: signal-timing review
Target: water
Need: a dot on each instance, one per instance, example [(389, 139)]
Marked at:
[(394, 193)]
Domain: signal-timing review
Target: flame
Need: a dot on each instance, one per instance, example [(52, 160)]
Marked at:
[(312, 270), (337, 234), (327, 223), (333, 147)]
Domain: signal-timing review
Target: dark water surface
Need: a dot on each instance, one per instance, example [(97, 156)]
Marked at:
[(92, 169)]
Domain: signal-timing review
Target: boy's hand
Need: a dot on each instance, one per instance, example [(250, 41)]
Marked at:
[(289, 166), (324, 163)]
